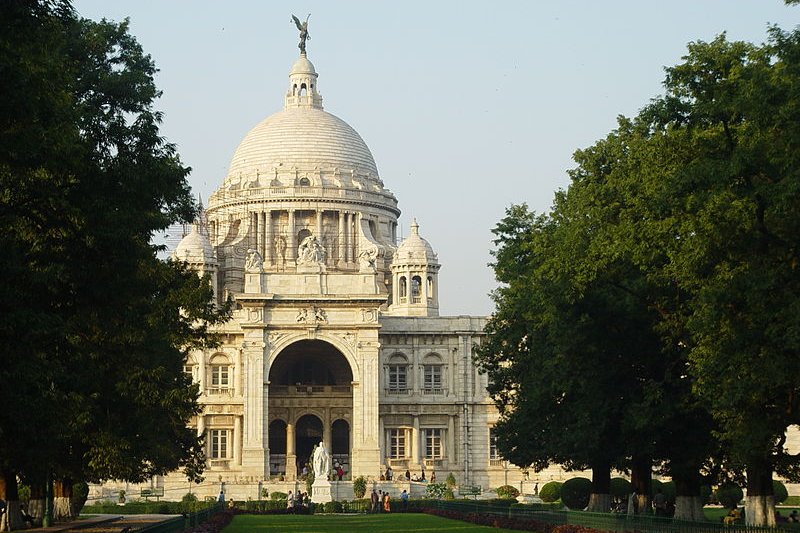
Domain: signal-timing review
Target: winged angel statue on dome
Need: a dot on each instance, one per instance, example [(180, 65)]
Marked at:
[(303, 27)]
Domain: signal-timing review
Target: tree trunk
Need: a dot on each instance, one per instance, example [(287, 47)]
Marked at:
[(11, 518), (62, 491), (688, 502), (640, 480), (36, 504), (600, 499), (689, 508), (759, 504)]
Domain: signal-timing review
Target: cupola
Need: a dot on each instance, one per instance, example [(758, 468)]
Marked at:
[(415, 284)]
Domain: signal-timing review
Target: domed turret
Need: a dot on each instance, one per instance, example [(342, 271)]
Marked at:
[(415, 270), (196, 251)]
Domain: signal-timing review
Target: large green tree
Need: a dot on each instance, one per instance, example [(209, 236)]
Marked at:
[(95, 327)]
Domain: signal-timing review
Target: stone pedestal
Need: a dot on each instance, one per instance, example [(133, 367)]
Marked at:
[(321, 491), (254, 283)]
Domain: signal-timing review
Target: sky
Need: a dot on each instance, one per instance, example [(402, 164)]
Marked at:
[(468, 107)]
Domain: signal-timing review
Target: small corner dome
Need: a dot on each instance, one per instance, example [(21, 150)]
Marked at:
[(415, 249), (195, 248)]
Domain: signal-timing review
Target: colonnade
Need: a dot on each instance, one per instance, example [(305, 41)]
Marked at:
[(263, 234)]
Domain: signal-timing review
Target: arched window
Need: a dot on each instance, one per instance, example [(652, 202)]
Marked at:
[(397, 374), (403, 290), (430, 288), (416, 290), (304, 182), (302, 89), (221, 375), (190, 369)]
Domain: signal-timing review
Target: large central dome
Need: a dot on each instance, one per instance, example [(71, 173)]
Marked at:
[(304, 138)]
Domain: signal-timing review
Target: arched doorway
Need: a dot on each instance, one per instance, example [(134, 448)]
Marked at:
[(307, 435), (311, 376), (277, 447)]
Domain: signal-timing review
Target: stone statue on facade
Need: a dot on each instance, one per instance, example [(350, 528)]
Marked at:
[(303, 27), (310, 251), (321, 462), (254, 262), (366, 259), (280, 250)]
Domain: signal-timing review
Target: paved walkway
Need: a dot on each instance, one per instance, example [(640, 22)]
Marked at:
[(105, 524)]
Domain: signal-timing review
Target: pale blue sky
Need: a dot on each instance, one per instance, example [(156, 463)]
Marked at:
[(466, 106)]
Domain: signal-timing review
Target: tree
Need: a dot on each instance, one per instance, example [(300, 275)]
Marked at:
[(95, 325)]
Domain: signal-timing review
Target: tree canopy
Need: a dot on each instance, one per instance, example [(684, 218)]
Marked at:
[(689, 212), (95, 326)]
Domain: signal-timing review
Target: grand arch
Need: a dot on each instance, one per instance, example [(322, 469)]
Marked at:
[(310, 399)]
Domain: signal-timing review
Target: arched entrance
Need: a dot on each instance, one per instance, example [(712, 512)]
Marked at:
[(310, 387), (307, 435)]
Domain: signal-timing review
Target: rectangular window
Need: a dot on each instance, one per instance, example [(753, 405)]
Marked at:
[(189, 371), (433, 443), (219, 443), (219, 376), (397, 443), (397, 378), (432, 380), (493, 452)]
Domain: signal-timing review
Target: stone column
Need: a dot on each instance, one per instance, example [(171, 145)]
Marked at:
[(201, 371), (342, 239), (254, 450), (268, 238), (415, 444), (291, 457), (346, 236), (260, 233), (237, 440), (291, 245), (450, 450), (327, 431), (319, 224), (366, 451), (384, 445), (201, 424)]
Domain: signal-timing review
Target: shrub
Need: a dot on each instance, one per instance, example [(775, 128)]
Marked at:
[(551, 491), (189, 497), (575, 492), (24, 494), (729, 495), (780, 491), (620, 488), (435, 491), (359, 487), (278, 495), (507, 491), (331, 507), (450, 481)]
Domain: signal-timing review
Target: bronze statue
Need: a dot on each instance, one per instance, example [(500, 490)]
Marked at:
[(303, 27)]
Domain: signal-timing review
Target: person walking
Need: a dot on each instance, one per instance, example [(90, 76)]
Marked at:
[(387, 507), (373, 501)]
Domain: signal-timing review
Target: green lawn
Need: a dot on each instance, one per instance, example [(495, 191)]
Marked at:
[(384, 523)]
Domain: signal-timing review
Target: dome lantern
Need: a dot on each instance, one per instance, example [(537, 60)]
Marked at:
[(303, 85)]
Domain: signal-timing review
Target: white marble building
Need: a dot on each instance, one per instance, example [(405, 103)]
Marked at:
[(336, 333)]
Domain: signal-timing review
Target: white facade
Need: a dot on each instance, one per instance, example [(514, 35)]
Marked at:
[(336, 333)]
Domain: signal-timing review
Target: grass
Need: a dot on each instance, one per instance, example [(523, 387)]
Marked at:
[(384, 523)]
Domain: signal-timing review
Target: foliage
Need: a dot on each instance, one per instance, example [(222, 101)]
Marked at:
[(779, 490), (575, 492), (332, 507), (551, 491), (450, 481), (277, 495), (98, 326), (620, 488), (189, 497), (359, 487), (729, 495), (507, 491), (436, 490)]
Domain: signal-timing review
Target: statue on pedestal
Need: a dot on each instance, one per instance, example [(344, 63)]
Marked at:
[(321, 462)]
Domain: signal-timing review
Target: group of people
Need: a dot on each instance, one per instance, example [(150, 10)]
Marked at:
[(300, 500), (381, 502), (408, 476)]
